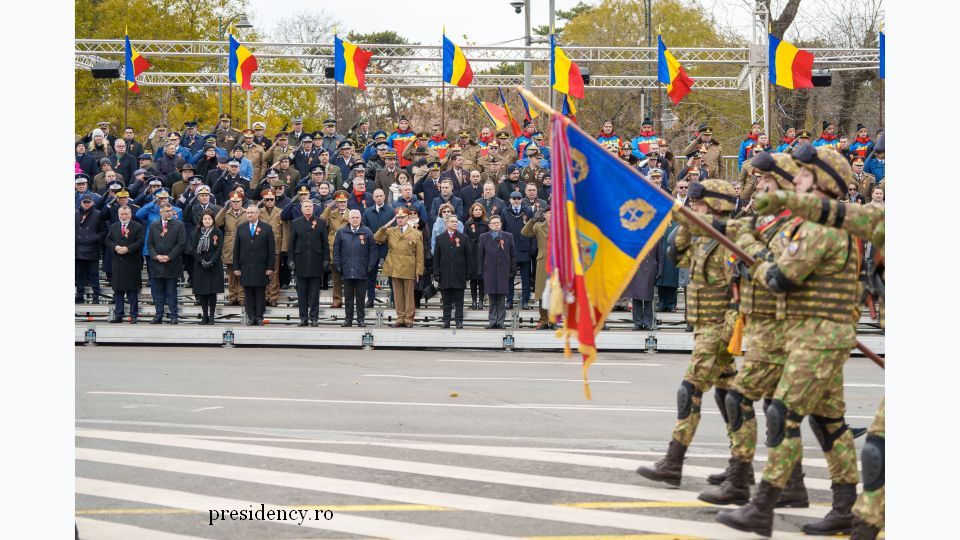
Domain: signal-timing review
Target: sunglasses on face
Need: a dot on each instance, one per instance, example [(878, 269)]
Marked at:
[(682, 187)]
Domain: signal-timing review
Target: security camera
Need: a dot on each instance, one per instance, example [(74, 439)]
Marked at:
[(517, 6)]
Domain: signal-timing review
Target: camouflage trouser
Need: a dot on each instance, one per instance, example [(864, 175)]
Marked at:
[(871, 505), (757, 379), (812, 384), (710, 365)]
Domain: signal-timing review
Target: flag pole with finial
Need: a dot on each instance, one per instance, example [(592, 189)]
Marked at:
[(443, 88)]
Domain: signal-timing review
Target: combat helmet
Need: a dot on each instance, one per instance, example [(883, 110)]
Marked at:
[(779, 165), (717, 194), (831, 171)]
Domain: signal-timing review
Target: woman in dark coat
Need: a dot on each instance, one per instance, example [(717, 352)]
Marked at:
[(641, 288), (207, 247), (669, 279), (475, 226)]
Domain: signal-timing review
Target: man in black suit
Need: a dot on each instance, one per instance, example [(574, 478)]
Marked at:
[(514, 218), (254, 251), (307, 252), (450, 256), (125, 242), (165, 245), (497, 262)]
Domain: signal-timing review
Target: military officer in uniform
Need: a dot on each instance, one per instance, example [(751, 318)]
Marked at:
[(227, 137), (307, 251), (709, 312), (404, 263), (228, 220), (270, 214), (818, 273), (539, 228), (713, 160), (763, 334), (336, 218), (508, 155)]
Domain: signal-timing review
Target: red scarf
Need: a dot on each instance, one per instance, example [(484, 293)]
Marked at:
[(647, 133), (487, 139), (789, 140), (437, 139), (752, 137), (864, 140), (359, 195), (827, 136)]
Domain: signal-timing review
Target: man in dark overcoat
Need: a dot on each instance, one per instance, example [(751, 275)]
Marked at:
[(307, 251), (641, 289), (165, 245), (125, 242), (354, 255), (254, 252), (452, 252)]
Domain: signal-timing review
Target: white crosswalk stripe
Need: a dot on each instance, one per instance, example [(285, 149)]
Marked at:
[(470, 482)]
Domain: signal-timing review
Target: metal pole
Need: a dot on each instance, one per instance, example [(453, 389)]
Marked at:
[(649, 22), (126, 102), (690, 216), (230, 99), (443, 105), (220, 69), (882, 84), (553, 26), (249, 94), (527, 66), (336, 90)]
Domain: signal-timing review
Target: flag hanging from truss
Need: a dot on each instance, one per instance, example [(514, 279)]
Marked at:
[(242, 64), (133, 64)]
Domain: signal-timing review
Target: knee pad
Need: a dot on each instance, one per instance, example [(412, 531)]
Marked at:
[(777, 416), (872, 460), (820, 430), (720, 396), (685, 396), (734, 405)]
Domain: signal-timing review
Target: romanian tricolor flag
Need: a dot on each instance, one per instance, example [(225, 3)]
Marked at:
[(514, 125), (529, 112), (671, 73), (350, 63), (242, 64), (494, 112), (569, 109), (456, 69), (564, 74), (134, 64), (614, 218), (790, 67)]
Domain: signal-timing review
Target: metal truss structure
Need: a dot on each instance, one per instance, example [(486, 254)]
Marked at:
[(743, 68)]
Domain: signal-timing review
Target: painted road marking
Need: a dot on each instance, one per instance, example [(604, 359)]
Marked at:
[(492, 379), (529, 406), (574, 363), (609, 489), (580, 516), (95, 529), (380, 528)]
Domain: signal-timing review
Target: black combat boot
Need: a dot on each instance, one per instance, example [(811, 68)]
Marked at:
[(757, 515), (839, 519), (716, 479), (862, 531), (735, 489), (670, 468), (794, 494)]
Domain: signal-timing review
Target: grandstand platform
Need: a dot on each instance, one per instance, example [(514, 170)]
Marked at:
[(92, 328)]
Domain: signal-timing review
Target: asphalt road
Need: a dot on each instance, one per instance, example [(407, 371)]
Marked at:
[(408, 444)]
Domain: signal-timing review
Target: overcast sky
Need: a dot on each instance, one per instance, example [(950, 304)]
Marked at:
[(485, 22)]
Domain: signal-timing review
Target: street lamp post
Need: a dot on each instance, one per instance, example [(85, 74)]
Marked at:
[(517, 6), (242, 22)]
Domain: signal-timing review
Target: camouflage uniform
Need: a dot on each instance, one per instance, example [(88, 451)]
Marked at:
[(710, 312), (818, 272), (868, 223)]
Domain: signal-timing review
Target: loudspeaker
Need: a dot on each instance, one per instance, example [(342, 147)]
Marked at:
[(821, 77), (329, 72), (585, 73), (106, 70)]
